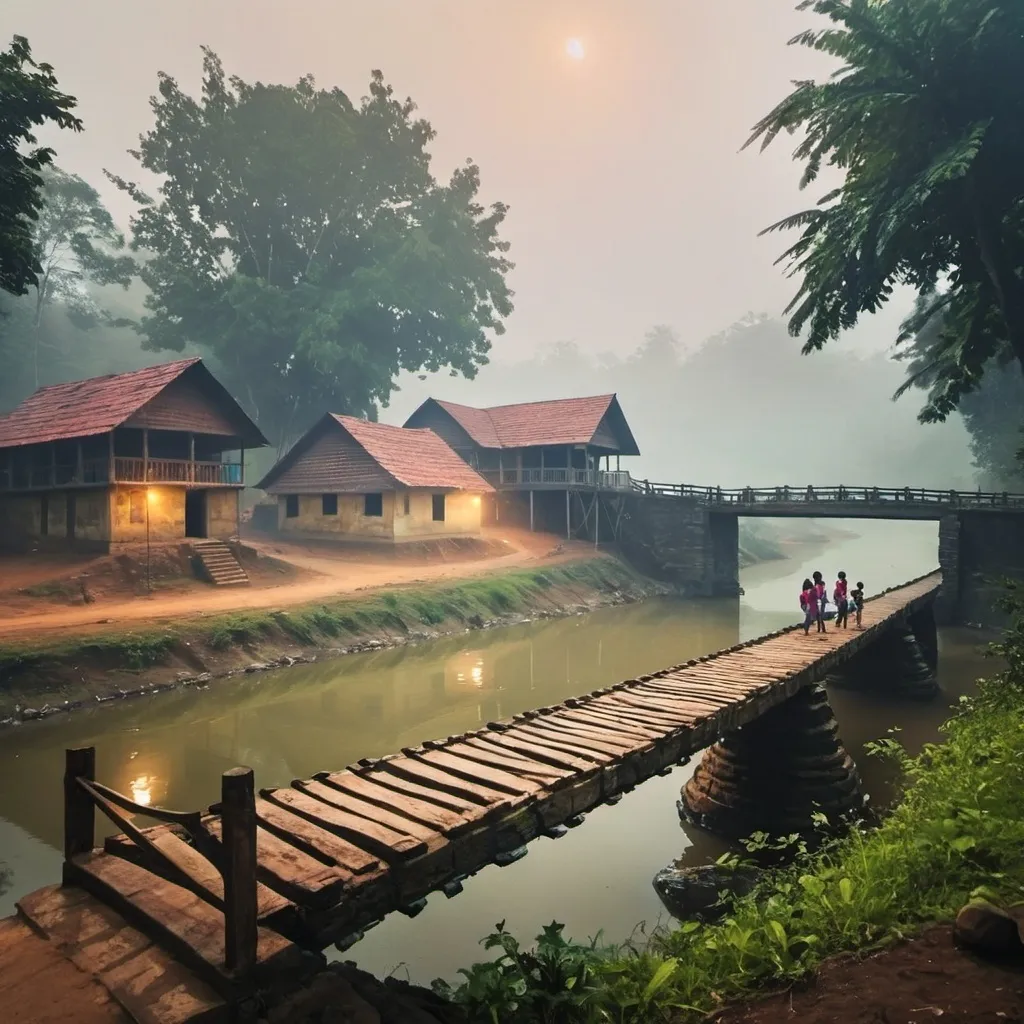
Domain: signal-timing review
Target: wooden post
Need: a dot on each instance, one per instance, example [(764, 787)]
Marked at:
[(79, 464), (241, 465), (79, 814), (568, 518), (191, 474), (531, 510), (238, 827), (111, 478), (53, 464), (145, 454)]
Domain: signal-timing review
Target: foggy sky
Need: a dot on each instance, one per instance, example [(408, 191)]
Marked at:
[(630, 202)]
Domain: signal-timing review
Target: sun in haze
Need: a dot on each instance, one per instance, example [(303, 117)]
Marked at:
[(575, 50)]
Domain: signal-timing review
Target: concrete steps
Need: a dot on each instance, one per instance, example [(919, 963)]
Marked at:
[(219, 563)]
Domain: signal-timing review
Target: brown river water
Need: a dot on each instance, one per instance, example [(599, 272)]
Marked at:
[(170, 749)]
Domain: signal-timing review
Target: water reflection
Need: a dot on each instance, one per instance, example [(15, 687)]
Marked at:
[(170, 749)]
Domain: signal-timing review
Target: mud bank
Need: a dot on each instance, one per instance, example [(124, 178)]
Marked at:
[(40, 680)]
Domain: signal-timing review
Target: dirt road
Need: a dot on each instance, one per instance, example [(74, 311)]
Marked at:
[(323, 574)]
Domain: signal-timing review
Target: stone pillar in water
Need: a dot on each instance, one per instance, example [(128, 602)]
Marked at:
[(897, 663), (774, 774)]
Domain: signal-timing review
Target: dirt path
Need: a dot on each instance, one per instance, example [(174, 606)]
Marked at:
[(326, 575), (928, 979)]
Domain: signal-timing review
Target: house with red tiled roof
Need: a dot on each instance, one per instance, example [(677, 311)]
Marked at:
[(543, 457), (152, 456), (351, 479)]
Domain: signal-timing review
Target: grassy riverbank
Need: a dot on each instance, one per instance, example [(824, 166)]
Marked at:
[(45, 676), (958, 830)]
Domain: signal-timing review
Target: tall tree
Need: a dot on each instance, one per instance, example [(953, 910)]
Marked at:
[(992, 408), (302, 240), (925, 120), (76, 243), (28, 97)]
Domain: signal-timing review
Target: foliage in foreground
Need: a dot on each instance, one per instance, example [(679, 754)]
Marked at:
[(923, 120), (958, 831)]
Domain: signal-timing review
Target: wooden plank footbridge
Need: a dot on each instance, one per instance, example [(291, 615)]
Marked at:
[(187, 919)]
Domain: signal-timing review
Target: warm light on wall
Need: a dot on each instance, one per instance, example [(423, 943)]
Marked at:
[(476, 499), (151, 495)]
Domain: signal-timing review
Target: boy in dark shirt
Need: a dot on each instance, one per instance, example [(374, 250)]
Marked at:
[(857, 597)]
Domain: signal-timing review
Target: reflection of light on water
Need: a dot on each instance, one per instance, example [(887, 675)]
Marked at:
[(142, 790), (466, 669)]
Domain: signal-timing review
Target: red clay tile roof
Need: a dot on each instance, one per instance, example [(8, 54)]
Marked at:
[(415, 458), (83, 408), (559, 421)]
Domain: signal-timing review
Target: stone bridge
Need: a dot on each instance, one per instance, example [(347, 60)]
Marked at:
[(690, 535)]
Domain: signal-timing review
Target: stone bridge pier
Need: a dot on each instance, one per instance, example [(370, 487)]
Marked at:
[(776, 773)]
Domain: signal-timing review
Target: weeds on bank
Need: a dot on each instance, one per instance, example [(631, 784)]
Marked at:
[(401, 611), (958, 831)]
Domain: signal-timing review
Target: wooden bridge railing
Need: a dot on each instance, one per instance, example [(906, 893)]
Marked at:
[(846, 495), (234, 857)]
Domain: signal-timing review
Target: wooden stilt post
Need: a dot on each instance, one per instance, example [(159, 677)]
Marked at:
[(568, 517), (531, 511), (238, 826), (79, 814)]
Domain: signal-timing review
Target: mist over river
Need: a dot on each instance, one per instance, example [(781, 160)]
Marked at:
[(170, 749)]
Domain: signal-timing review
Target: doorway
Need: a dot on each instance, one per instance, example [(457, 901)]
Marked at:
[(195, 513), (70, 514)]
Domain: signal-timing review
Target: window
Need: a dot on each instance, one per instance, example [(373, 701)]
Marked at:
[(438, 507), (291, 505), (373, 504), (405, 504), (329, 504)]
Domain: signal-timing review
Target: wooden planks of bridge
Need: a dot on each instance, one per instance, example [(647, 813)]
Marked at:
[(337, 852)]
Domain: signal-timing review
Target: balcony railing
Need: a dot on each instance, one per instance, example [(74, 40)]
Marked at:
[(125, 471), (560, 476)]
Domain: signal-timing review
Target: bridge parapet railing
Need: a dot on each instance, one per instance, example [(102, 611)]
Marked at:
[(745, 496), (234, 857)]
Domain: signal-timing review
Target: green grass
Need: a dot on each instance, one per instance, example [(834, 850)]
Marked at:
[(400, 611), (957, 832)]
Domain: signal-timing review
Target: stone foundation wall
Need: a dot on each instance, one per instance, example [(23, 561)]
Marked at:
[(681, 541), (991, 548)]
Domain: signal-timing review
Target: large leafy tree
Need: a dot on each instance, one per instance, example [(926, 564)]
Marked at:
[(29, 97), (301, 239), (77, 244), (924, 118)]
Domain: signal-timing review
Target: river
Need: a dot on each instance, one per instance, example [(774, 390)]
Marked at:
[(170, 749)]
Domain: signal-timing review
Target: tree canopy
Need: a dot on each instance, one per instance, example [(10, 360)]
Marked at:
[(301, 239), (925, 120), (29, 97)]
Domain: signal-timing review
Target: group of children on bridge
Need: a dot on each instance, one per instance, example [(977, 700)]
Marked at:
[(814, 598)]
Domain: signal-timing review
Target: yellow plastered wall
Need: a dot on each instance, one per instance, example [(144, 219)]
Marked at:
[(349, 522), (128, 508), (57, 514), (461, 516), (92, 515), (221, 513), (20, 516)]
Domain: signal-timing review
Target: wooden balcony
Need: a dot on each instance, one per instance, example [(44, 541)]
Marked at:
[(122, 470), (558, 478)]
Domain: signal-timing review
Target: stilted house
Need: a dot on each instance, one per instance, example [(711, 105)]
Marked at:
[(155, 455), (351, 479), (543, 458)]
